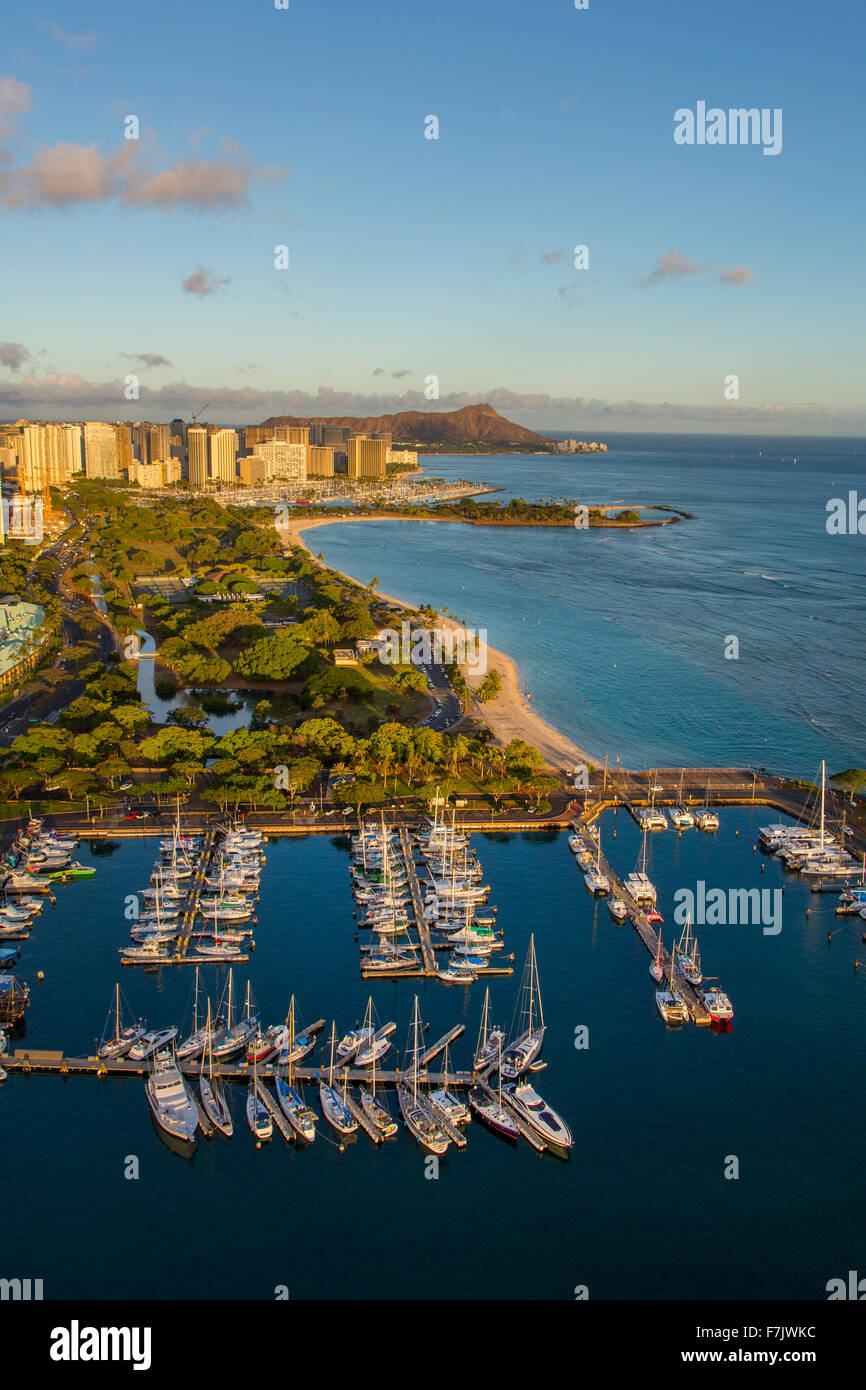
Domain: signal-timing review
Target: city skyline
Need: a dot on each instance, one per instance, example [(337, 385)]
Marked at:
[(404, 258)]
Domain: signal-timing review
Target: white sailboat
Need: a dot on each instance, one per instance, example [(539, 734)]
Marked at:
[(292, 1103), (688, 955), (490, 1040), (638, 884), (258, 1115), (596, 881), (117, 1040), (335, 1111), (213, 1097), (419, 1120), (524, 1050), (376, 1110)]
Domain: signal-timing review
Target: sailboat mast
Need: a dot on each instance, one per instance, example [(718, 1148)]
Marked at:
[(823, 780)]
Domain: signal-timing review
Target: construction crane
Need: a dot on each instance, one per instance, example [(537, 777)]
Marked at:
[(194, 420)]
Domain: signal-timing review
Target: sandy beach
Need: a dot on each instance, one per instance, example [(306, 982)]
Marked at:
[(510, 715)]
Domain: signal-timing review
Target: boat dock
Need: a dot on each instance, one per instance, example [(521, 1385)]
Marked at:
[(363, 1119), (186, 928), (421, 925), (698, 1013), (437, 1047), (274, 1111)]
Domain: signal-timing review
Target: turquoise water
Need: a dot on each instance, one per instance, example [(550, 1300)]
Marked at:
[(641, 1209), (621, 636)]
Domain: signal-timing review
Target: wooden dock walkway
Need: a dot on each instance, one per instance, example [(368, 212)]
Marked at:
[(417, 906), (363, 1119), (188, 922), (698, 1013), (275, 1111)]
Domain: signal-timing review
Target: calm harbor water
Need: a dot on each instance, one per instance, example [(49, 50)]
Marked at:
[(621, 636), (641, 1209)]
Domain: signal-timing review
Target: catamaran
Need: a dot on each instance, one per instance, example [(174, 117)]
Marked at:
[(120, 1038), (520, 1054), (419, 1119), (638, 884), (681, 816), (705, 819), (170, 1099), (213, 1097), (334, 1109), (669, 1001)]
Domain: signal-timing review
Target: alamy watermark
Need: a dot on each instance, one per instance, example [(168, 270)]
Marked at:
[(738, 907), (443, 646), (737, 126), (846, 517)]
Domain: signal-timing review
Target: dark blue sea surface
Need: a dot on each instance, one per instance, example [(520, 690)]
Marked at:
[(640, 1209), (621, 635)]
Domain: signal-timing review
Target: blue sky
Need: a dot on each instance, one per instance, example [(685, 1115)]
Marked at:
[(448, 257)]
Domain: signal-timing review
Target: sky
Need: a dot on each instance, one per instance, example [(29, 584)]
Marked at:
[(420, 265)]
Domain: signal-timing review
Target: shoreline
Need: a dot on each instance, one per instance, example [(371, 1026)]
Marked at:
[(510, 714)]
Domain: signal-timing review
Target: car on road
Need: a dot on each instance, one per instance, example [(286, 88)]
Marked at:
[(136, 815), (347, 811), (127, 785)]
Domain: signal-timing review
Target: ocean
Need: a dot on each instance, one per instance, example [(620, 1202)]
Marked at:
[(621, 635)]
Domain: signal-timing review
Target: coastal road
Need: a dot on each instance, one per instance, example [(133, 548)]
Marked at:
[(447, 709)]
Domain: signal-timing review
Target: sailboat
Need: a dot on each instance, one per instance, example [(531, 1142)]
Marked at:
[(705, 819), (258, 1115), (334, 1109), (520, 1054), (194, 1045), (213, 1096), (419, 1120), (688, 955), (120, 1039), (490, 1041), (297, 1112), (638, 884), (375, 1042), (493, 1112), (681, 816), (377, 1112), (657, 970), (237, 1036), (669, 1001), (595, 880), (445, 1101)]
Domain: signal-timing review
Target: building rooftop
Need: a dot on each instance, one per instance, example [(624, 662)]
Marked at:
[(18, 623)]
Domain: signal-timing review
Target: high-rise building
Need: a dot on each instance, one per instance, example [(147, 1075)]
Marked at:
[(287, 462), (125, 455), (178, 428), (291, 434), (196, 439), (366, 457), (320, 461), (252, 470), (329, 436), (406, 457), (223, 455), (100, 450), (257, 434), (160, 443)]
